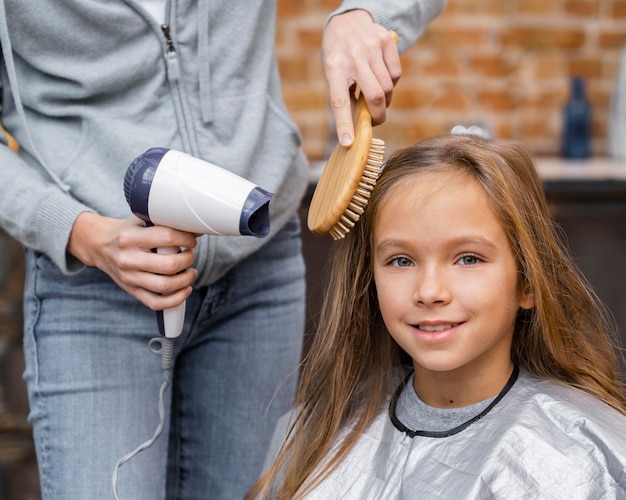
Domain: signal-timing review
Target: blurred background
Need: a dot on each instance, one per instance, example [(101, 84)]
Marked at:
[(504, 65)]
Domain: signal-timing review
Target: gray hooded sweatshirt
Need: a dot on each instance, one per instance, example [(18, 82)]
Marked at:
[(89, 85)]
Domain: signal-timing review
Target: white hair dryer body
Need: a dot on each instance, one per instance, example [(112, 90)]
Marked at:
[(166, 187)]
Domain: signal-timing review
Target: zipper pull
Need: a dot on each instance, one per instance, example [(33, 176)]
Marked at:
[(168, 38), (171, 59)]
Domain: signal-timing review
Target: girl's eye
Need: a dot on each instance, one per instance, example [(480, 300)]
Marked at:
[(400, 262), (469, 260)]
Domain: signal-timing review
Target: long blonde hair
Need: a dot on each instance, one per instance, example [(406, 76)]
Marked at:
[(353, 364)]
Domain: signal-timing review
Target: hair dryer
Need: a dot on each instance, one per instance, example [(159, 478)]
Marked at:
[(168, 188)]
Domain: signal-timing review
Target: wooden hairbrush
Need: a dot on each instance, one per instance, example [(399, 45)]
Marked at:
[(348, 178), (11, 142)]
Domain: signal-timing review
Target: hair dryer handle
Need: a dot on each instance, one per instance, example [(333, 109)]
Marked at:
[(171, 320)]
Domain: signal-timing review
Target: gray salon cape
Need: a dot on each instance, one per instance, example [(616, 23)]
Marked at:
[(538, 440)]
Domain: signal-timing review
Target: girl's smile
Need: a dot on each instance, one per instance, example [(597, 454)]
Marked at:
[(436, 332), (448, 285)]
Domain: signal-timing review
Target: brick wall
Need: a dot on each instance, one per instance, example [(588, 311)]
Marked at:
[(18, 467), (502, 63)]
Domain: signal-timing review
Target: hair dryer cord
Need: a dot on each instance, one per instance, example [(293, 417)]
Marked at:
[(165, 349)]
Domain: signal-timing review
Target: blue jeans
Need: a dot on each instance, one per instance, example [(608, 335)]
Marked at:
[(93, 383)]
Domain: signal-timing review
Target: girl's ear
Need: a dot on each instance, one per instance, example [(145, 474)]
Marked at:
[(527, 297)]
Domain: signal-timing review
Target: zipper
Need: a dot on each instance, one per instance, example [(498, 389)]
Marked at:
[(185, 125), (168, 38)]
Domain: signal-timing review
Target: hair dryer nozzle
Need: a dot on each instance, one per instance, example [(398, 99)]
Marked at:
[(255, 220)]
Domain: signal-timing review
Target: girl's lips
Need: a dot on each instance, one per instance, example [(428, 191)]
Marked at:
[(437, 328), (435, 333)]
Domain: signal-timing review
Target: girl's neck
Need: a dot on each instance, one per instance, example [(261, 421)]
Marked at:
[(461, 387)]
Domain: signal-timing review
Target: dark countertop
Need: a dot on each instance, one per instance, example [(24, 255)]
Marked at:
[(597, 180)]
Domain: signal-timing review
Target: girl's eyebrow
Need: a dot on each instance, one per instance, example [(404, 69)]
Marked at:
[(459, 241), (477, 239), (386, 245)]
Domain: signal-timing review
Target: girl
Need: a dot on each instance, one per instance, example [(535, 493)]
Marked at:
[(456, 271)]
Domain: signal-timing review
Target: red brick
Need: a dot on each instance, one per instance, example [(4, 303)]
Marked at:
[(537, 67), (444, 64), (426, 128), (503, 130), (618, 9), (612, 38), (293, 68), (328, 5), (599, 97), (545, 98), (453, 36), (531, 37), (451, 98), (410, 96), (581, 8), (474, 7), (492, 65), (534, 7), (291, 8), (599, 125), (498, 100), (415, 61), (310, 38), (538, 126), (587, 67), (302, 97)]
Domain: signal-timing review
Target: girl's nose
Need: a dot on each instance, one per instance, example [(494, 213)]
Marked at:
[(431, 287)]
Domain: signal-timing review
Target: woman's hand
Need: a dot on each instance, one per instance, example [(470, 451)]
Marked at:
[(358, 52), (123, 250)]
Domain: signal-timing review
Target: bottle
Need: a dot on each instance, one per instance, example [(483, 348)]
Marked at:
[(576, 137)]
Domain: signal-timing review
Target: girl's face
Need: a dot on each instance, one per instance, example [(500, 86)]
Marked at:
[(447, 279)]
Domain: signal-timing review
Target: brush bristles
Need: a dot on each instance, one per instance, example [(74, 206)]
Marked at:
[(361, 197)]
